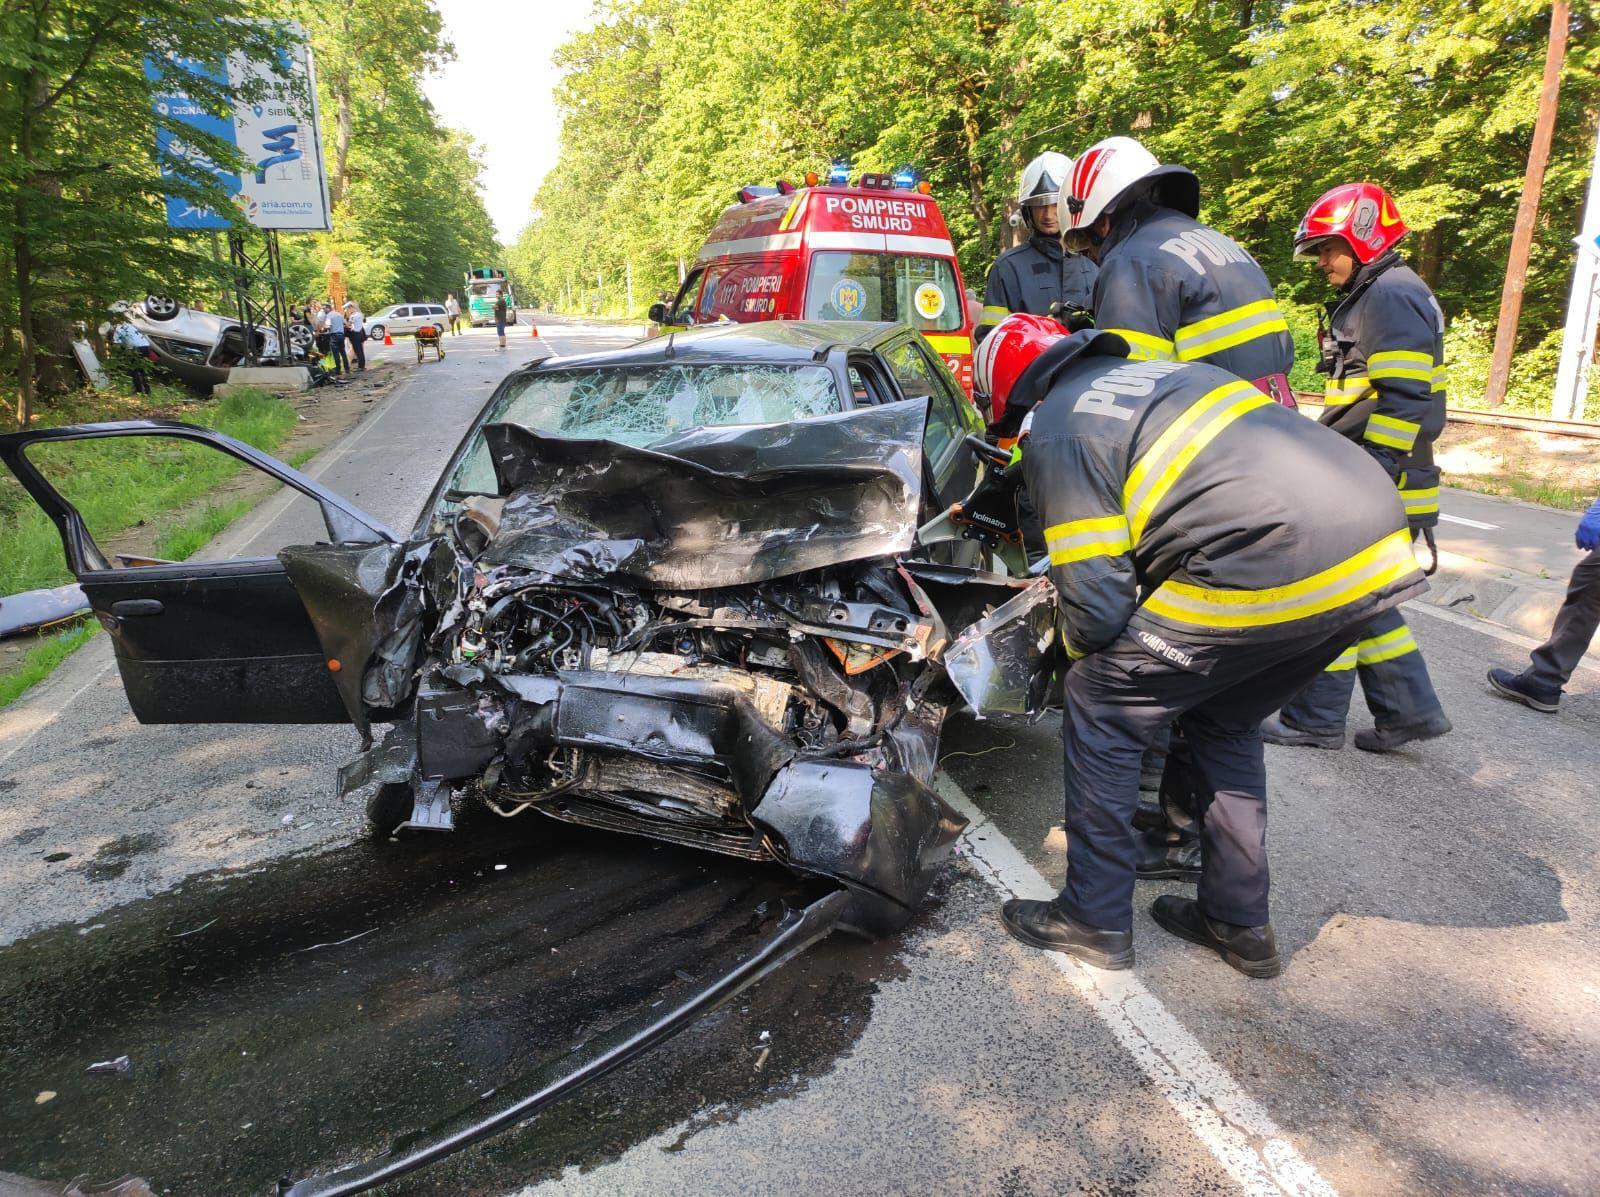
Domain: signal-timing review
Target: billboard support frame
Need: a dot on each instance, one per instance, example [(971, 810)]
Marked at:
[(253, 273)]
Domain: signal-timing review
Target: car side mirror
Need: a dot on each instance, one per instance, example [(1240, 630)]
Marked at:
[(657, 313)]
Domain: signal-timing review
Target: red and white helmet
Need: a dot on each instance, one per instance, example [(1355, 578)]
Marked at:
[(1008, 350), (1103, 176), (1362, 213)]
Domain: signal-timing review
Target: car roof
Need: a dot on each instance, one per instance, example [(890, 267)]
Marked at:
[(795, 342)]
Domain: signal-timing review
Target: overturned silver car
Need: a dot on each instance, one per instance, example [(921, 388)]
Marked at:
[(690, 590)]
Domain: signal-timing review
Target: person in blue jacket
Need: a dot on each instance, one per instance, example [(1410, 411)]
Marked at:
[(1539, 685)]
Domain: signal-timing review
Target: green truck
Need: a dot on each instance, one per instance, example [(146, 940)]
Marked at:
[(484, 285)]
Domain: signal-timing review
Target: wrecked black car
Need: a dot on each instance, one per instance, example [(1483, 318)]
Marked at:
[(704, 589)]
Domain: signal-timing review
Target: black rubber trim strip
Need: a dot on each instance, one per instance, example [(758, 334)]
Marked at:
[(554, 1081)]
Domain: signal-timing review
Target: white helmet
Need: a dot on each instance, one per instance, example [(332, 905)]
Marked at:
[(1041, 183), (1104, 175)]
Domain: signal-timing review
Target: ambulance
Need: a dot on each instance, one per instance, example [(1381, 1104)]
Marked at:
[(875, 251)]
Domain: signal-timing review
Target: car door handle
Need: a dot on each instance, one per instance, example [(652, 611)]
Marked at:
[(125, 607)]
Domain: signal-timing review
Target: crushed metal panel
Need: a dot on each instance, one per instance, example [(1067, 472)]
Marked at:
[(714, 507), (994, 662), (371, 606), (882, 830)]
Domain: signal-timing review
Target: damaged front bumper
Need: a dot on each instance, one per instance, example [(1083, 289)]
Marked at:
[(687, 761)]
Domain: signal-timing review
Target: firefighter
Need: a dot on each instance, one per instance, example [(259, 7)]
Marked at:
[(1202, 578), (1038, 276), (1383, 351), (1174, 289)]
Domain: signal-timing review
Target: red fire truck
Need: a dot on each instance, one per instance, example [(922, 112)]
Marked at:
[(878, 250)]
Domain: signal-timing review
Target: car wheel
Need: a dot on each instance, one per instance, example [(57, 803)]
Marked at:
[(160, 307), (375, 332), (388, 808), (301, 336)]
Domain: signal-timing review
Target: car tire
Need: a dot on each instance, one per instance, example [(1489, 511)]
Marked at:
[(301, 336), (160, 307), (388, 807), (375, 333)]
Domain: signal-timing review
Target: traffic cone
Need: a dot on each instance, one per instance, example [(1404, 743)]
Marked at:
[(533, 330), (387, 338)]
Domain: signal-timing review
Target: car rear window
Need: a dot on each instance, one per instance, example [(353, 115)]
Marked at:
[(890, 287), (639, 405)]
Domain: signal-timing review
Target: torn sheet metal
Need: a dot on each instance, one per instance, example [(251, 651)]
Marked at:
[(713, 507), (994, 661), (372, 607), (880, 830)]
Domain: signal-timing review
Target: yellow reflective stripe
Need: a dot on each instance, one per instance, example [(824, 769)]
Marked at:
[(1401, 363), (794, 206), (1078, 540), (1387, 647), (1387, 430), (1072, 653), (1422, 501), (1343, 391), (1144, 347), (1155, 472), (1228, 329), (994, 313), (1376, 566), (1441, 377), (952, 344), (1345, 660)]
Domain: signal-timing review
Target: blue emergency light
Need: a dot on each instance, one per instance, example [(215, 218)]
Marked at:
[(905, 178), (839, 172)]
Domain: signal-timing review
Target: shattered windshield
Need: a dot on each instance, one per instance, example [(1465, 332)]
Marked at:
[(639, 405)]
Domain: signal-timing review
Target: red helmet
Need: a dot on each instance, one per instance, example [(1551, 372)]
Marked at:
[(1362, 213), (1007, 351)]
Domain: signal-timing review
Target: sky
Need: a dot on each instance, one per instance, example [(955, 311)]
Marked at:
[(499, 90)]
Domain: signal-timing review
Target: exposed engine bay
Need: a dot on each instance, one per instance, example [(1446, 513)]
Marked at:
[(776, 695)]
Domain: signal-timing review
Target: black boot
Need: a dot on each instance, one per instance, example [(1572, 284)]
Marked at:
[(1147, 816), (1045, 925), (1160, 861), (1383, 739), (1277, 730), (1251, 950), (1516, 687)]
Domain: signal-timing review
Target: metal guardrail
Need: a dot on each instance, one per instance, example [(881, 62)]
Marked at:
[(1492, 419)]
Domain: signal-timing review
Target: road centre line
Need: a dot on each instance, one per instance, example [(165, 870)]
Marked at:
[(1457, 519), (1238, 1132)]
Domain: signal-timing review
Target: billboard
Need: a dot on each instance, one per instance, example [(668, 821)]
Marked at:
[(283, 185)]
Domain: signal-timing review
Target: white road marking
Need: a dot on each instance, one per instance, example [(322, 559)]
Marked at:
[(1489, 629), (1232, 1125), (1456, 519)]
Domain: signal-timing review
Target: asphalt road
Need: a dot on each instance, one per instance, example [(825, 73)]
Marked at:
[(1436, 1031)]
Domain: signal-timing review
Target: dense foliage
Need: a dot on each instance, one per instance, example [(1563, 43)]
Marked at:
[(82, 216), (670, 105)]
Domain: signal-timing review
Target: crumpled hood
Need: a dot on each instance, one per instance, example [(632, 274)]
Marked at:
[(711, 507)]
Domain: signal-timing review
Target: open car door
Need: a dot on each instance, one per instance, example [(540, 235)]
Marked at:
[(201, 641)]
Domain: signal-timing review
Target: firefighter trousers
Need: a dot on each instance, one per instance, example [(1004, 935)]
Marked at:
[(1553, 661), (1117, 701), (1393, 678)]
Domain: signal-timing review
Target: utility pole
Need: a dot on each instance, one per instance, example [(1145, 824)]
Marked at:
[(1505, 334), (1583, 308)]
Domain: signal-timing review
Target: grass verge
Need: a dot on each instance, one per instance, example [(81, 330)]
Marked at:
[(124, 482), (40, 660)]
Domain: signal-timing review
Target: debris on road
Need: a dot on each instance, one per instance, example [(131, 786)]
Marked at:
[(118, 1067)]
